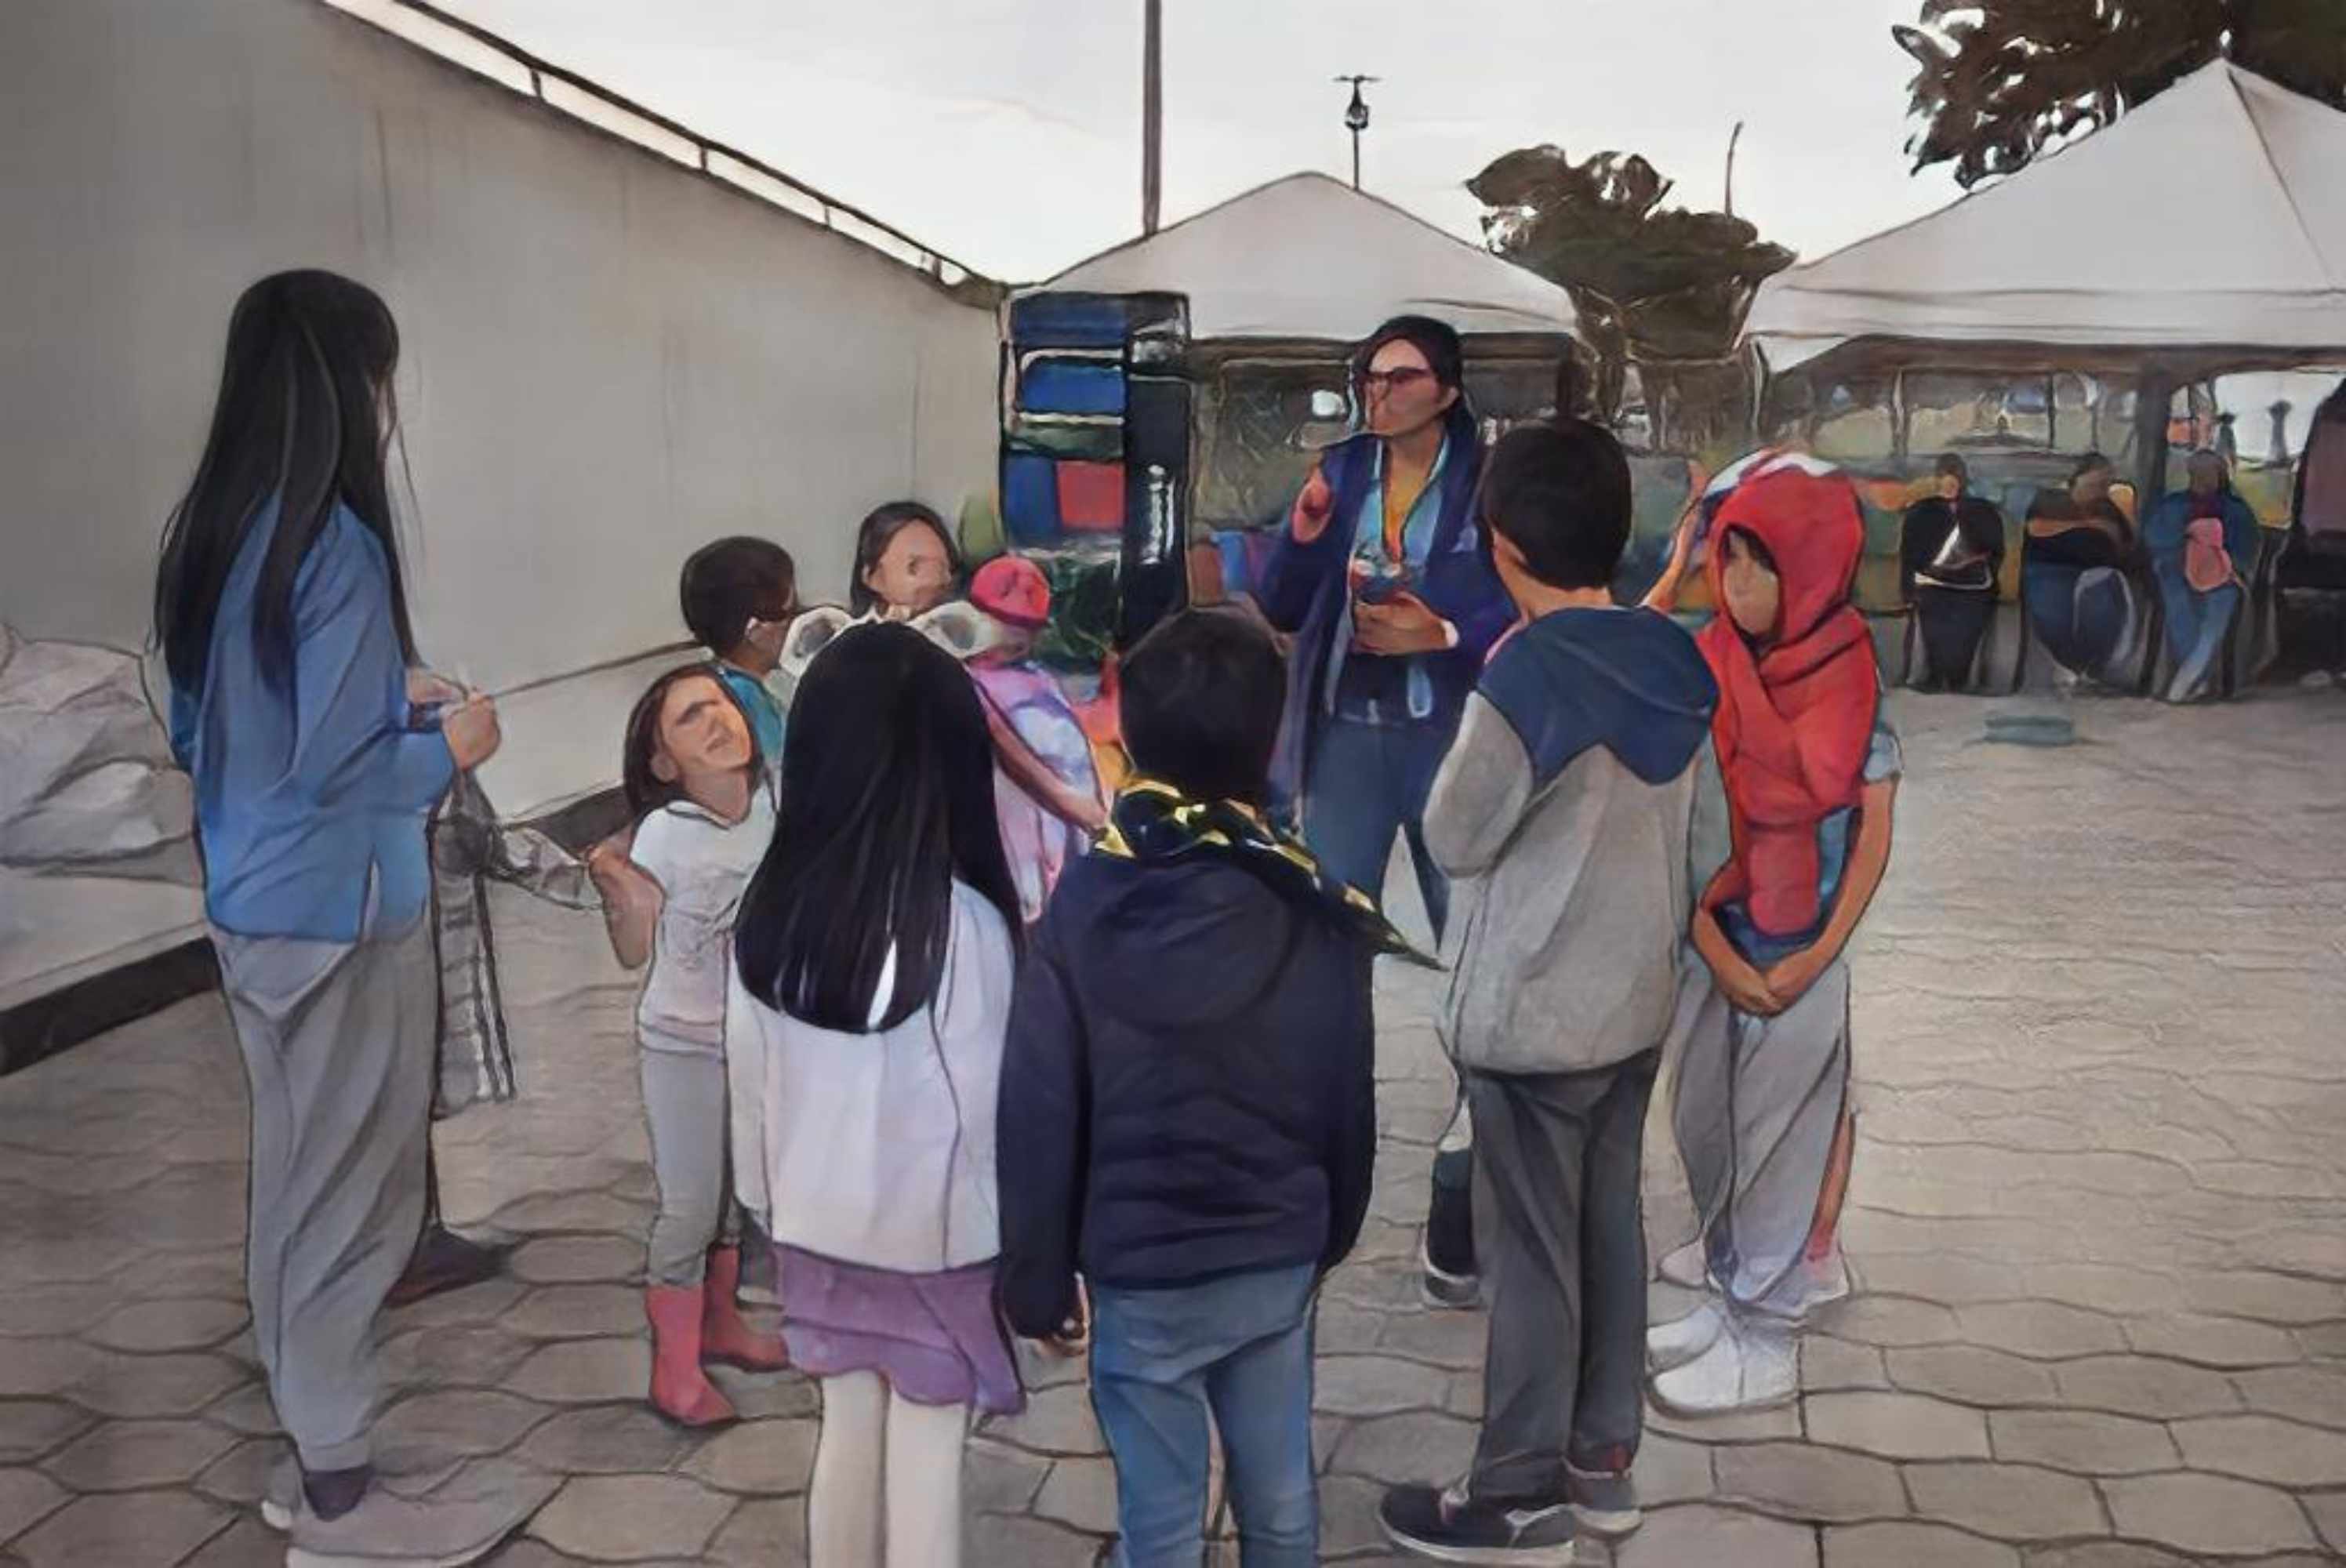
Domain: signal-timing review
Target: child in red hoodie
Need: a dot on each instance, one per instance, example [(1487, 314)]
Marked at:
[(1808, 773)]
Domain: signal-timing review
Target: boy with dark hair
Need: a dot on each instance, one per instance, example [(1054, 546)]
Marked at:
[(738, 595), (1189, 1069), (1561, 814)]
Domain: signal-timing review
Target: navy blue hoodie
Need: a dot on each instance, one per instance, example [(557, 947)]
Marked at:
[(1188, 1089)]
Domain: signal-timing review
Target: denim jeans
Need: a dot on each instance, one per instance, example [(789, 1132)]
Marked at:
[(1237, 1350), (2196, 623), (1367, 782), (2079, 615)]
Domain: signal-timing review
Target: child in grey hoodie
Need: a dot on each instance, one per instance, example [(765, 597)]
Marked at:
[(1561, 814)]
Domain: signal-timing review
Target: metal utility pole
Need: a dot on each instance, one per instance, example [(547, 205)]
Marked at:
[(1356, 120), (1152, 112)]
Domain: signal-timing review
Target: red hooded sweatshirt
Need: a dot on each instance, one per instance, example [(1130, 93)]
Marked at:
[(1796, 708)]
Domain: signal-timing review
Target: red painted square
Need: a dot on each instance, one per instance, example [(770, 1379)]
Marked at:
[(1091, 497)]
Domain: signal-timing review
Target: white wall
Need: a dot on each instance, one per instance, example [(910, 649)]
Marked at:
[(609, 358)]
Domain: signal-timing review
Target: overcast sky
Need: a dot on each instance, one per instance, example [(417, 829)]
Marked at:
[(1007, 133)]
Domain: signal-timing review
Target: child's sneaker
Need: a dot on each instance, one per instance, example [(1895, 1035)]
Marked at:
[(1688, 1268), (1672, 1345), (761, 1270), (462, 1522), (1448, 1279), (1443, 1290), (1752, 1366), (1604, 1501), (1813, 1285), (1451, 1527)]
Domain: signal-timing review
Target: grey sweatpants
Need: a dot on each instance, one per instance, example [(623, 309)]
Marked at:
[(684, 1101), (1562, 1245), (1757, 1107), (336, 1040)]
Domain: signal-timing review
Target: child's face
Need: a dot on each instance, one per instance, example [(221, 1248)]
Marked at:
[(1753, 593), (702, 734), (913, 574)]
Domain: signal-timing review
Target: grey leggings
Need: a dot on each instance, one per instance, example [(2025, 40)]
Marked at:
[(684, 1100)]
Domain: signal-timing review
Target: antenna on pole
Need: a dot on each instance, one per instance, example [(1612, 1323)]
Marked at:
[(1733, 138), (1152, 112), (1356, 120)]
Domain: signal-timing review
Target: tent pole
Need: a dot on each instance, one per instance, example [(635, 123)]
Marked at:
[(1152, 112), (2154, 399)]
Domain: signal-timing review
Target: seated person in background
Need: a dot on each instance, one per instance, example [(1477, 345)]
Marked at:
[(1950, 549), (2317, 514), (2073, 581), (2202, 543)]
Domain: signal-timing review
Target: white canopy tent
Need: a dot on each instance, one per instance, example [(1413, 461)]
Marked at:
[(1308, 258), (2211, 218)]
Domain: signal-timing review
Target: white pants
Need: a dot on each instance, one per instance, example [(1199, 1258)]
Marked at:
[(885, 1470)]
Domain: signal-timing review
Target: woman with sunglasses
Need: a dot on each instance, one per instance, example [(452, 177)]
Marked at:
[(1381, 574), (1389, 585)]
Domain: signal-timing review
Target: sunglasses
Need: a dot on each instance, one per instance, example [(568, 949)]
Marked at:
[(1383, 383)]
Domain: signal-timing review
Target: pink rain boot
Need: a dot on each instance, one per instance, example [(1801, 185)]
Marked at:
[(680, 1391), (726, 1338)]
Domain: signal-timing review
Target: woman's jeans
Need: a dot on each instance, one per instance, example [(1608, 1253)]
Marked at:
[(1366, 783), (1236, 1351), (2083, 615), (2196, 623)]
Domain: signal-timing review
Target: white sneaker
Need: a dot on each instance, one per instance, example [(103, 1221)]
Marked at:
[(1671, 1345), (2065, 681), (1688, 1268), (283, 1494), (1751, 1366)]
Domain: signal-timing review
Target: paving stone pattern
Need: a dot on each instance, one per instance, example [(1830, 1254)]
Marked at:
[(2096, 1225)]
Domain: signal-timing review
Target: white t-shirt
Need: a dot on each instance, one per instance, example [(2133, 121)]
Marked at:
[(702, 866), (879, 1148)]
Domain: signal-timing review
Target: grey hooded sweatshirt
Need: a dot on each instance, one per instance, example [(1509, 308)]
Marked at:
[(1561, 814)]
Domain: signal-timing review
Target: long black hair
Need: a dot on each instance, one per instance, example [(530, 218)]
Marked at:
[(304, 415), (879, 526), (887, 801), (645, 789)]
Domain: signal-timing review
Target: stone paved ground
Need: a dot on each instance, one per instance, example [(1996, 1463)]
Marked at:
[(2097, 1222)]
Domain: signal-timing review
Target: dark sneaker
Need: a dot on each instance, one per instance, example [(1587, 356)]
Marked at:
[(1451, 1527), (760, 1271), (460, 1522), (1446, 1260), (410, 1474), (1445, 1291), (1604, 1501), (442, 1261)]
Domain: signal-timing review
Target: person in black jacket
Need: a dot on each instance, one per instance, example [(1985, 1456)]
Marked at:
[(1951, 551), (1189, 1105)]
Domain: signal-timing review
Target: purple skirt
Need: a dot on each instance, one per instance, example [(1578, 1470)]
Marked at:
[(934, 1336)]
